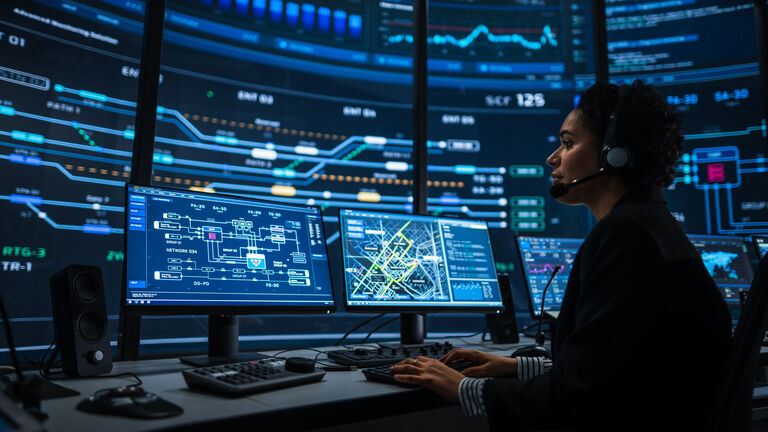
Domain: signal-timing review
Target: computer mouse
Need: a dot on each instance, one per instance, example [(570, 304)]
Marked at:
[(532, 351), (299, 364), (125, 391), (129, 401)]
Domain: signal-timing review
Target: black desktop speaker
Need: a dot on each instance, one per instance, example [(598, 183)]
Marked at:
[(502, 325), (80, 320)]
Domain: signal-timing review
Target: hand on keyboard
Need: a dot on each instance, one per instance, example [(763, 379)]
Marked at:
[(486, 364), (429, 373)]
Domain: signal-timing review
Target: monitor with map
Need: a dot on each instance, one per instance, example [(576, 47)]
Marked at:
[(728, 262), (761, 244), (400, 263)]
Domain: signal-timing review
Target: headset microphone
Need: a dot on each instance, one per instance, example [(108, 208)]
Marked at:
[(559, 189), (538, 349)]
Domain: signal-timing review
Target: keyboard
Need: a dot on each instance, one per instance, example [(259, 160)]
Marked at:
[(368, 357), (238, 379), (384, 375)]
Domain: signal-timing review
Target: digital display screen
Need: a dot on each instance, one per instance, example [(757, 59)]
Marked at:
[(395, 260), (195, 249), (712, 78), (727, 261), (761, 243), (68, 85), (540, 256)]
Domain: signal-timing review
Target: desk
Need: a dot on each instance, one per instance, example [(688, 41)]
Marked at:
[(341, 401)]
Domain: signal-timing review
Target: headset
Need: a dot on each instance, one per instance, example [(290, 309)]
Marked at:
[(615, 159)]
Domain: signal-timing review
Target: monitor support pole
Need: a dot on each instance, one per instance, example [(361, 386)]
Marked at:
[(223, 343), (129, 327), (413, 326)]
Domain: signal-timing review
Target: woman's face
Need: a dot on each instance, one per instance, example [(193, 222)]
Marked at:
[(578, 156)]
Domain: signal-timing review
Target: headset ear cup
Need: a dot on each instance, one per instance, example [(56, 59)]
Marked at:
[(617, 160)]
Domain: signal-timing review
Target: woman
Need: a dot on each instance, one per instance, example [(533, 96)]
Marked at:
[(643, 334)]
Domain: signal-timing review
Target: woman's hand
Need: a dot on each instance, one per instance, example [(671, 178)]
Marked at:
[(488, 365), (431, 374)]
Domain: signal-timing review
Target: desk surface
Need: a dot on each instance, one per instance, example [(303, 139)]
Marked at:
[(341, 397)]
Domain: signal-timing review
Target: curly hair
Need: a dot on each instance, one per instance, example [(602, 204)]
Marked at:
[(645, 124)]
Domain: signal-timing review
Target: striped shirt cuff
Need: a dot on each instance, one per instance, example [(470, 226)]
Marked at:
[(471, 396), (529, 367)]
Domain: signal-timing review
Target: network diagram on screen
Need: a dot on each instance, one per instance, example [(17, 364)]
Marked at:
[(190, 248), (401, 259)]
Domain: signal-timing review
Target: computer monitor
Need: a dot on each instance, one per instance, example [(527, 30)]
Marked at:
[(539, 256), (408, 263), (761, 244), (190, 252), (728, 262)]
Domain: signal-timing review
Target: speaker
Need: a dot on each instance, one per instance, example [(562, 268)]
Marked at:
[(503, 325), (80, 320)]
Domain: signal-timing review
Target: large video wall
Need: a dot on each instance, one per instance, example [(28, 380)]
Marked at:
[(310, 102), (713, 78)]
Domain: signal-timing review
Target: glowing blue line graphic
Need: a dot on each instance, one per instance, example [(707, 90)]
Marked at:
[(746, 131), (730, 213), (88, 229), (73, 177), (547, 38)]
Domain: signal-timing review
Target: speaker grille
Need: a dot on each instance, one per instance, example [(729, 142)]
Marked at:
[(90, 326), (86, 287)]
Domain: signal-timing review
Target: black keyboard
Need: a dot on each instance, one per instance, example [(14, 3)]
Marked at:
[(238, 379), (367, 357), (384, 375)]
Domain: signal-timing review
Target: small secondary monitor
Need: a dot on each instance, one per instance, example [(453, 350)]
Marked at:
[(761, 244), (192, 252), (401, 262), (539, 256), (728, 262)]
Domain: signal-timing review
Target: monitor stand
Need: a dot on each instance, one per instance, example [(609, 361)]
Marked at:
[(413, 330), (223, 331)]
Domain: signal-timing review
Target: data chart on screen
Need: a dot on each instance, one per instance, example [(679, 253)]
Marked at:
[(540, 256)]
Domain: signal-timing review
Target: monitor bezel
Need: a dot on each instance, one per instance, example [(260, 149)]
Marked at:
[(133, 309), (415, 308), (757, 248), (531, 308)]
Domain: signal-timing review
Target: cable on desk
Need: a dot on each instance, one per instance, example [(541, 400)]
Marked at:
[(319, 353), (44, 368), (377, 328), (357, 327)]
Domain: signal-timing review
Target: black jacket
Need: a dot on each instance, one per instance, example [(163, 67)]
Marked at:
[(642, 338)]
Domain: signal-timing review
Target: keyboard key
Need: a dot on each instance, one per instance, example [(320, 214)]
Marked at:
[(244, 378)]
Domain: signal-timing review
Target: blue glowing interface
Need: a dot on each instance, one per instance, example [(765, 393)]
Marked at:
[(727, 261), (761, 243), (198, 249), (393, 260), (540, 255), (713, 79)]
